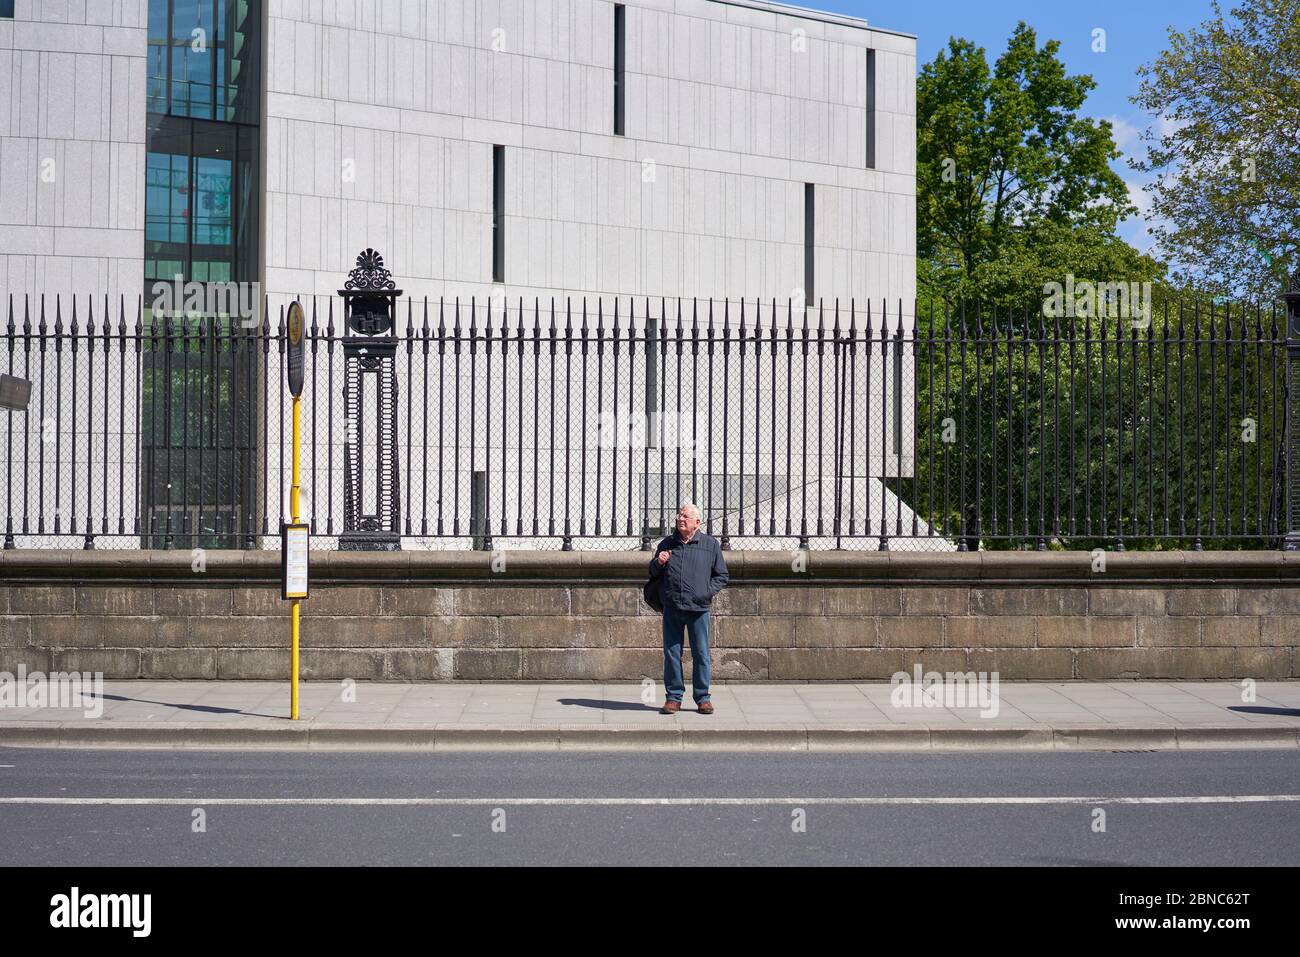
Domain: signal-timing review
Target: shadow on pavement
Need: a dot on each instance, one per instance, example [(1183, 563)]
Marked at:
[(1288, 712), (207, 709), (609, 705)]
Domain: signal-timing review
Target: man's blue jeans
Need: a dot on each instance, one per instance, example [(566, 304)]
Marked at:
[(696, 626)]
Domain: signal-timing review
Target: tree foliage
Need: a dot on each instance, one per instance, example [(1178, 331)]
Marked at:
[(1012, 182), (1226, 147)]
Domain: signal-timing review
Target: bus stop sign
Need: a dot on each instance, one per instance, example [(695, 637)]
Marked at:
[(296, 323)]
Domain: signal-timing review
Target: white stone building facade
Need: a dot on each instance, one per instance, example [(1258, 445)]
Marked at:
[(379, 119), (384, 128), (72, 147), (652, 152)]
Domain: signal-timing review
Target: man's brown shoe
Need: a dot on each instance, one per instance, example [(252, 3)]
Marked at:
[(671, 707), (706, 707)]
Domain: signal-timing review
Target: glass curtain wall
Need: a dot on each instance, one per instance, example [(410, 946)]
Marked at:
[(200, 366)]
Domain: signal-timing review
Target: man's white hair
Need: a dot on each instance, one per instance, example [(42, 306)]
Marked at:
[(694, 507)]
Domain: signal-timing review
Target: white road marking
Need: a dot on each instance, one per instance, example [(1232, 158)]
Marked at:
[(642, 801)]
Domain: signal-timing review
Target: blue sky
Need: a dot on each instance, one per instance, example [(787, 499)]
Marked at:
[(1136, 32)]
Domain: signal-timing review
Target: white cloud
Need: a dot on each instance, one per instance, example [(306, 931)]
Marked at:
[(1138, 196), (1168, 126), (1137, 233), (1126, 134), (1136, 230)]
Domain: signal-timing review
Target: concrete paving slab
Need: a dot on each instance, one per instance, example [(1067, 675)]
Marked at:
[(850, 715)]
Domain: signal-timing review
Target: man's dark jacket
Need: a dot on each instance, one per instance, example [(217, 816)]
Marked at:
[(695, 572)]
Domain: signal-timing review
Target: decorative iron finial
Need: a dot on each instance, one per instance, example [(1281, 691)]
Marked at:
[(370, 296), (369, 274)]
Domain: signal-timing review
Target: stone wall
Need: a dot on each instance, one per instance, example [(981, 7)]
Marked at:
[(579, 616)]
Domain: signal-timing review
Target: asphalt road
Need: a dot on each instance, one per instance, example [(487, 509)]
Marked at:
[(110, 807)]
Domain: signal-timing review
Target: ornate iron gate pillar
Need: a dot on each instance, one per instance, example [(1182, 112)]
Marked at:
[(371, 496), (1290, 468)]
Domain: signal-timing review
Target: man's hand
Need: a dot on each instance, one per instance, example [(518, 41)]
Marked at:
[(664, 556)]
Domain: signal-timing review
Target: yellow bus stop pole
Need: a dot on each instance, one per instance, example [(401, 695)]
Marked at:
[(293, 511)]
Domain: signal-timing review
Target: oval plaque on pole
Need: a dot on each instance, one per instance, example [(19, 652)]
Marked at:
[(296, 323)]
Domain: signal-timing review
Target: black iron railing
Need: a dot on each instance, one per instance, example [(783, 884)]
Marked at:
[(571, 424), (1163, 431)]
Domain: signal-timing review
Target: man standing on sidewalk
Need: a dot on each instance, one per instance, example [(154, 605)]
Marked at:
[(690, 571)]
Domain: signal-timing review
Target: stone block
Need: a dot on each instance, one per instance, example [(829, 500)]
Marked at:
[(911, 632), (591, 664), (417, 600), (134, 600), (1024, 600), (604, 599), (806, 633), (254, 664), (1106, 664), (735, 600), (1269, 600), (236, 632), (1161, 632), (114, 663), (197, 601), (759, 632), (487, 664), (1082, 632), (1231, 632), (42, 600), (461, 632), (107, 631), (167, 664), (646, 631), (863, 600), (264, 601), (739, 664), (936, 601), (350, 601), (1126, 601), (793, 600), (1264, 663), (336, 664), (430, 664), (15, 631), (1000, 632), (852, 664), (1279, 631), (1024, 664), (554, 631), (506, 599), (376, 632), (1201, 601), (33, 659)]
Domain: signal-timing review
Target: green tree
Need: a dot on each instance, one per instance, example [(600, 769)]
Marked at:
[(1081, 432), (1006, 167), (1226, 147), (1078, 430)]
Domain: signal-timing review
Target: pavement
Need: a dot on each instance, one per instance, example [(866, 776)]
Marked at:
[(863, 716)]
